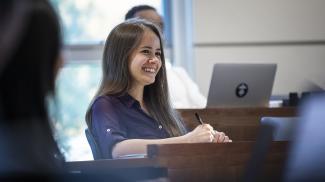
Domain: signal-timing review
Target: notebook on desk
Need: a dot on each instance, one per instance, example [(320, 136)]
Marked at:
[(241, 85)]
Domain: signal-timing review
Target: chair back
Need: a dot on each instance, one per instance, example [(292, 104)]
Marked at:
[(283, 127), (256, 163), (93, 145)]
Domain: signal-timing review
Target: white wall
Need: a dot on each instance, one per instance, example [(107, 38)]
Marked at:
[(290, 33)]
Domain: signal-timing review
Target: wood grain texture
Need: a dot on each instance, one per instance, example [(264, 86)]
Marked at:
[(212, 162), (240, 124)]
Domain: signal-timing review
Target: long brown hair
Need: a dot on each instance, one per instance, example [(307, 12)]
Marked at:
[(116, 78)]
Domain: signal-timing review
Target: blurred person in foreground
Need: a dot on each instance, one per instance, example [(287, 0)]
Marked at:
[(306, 160), (30, 45)]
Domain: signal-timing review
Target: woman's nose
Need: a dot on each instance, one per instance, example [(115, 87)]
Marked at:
[(153, 60)]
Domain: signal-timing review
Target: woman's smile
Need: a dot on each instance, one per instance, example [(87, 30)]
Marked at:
[(149, 69)]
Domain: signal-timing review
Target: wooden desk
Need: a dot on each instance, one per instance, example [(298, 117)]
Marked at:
[(240, 124), (187, 162), (213, 162)]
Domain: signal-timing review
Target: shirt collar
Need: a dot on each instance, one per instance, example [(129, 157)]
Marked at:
[(128, 100)]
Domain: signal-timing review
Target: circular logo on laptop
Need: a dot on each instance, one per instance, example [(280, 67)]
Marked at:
[(242, 90)]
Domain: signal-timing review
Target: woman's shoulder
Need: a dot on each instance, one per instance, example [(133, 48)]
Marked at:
[(105, 100)]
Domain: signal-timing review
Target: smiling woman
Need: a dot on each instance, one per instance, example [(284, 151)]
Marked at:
[(86, 24), (131, 108)]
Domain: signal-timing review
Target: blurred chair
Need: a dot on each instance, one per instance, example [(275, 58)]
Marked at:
[(306, 161), (93, 145), (255, 165), (283, 127), (272, 129)]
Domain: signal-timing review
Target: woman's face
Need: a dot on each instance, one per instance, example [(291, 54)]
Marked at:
[(145, 60)]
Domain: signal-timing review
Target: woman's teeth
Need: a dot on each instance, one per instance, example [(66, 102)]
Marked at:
[(150, 70)]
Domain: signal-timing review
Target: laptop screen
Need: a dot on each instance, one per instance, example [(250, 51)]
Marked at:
[(241, 85)]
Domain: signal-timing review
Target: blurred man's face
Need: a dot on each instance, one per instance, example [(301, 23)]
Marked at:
[(151, 16)]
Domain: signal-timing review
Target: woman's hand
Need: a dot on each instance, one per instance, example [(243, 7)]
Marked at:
[(221, 137), (201, 134)]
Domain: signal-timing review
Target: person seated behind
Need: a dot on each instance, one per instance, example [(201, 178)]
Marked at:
[(184, 92), (30, 44), (131, 108)]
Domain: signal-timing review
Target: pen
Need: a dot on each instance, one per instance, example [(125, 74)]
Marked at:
[(198, 118)]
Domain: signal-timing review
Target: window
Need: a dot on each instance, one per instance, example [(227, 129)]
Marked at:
[(76, 85), (90, 21), (86, 24)]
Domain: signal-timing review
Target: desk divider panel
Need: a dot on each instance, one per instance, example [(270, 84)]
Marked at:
[(240, 124), (212, 162)]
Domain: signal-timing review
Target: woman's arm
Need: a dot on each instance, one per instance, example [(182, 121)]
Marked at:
[(201, 134), (139, 146)]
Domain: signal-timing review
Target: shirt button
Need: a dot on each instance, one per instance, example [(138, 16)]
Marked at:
[(160, 127)]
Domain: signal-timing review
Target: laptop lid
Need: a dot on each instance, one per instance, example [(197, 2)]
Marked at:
[(241, 85)]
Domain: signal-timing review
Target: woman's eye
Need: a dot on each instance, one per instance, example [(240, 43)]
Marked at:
[(145, 51), (158, 54)]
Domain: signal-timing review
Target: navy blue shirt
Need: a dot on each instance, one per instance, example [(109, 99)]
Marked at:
[(115, 119)]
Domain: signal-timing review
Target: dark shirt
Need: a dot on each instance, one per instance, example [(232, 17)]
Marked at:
[(115, 119), (28, 147)]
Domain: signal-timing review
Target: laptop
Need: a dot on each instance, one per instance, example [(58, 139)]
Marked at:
[(241, 85)]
